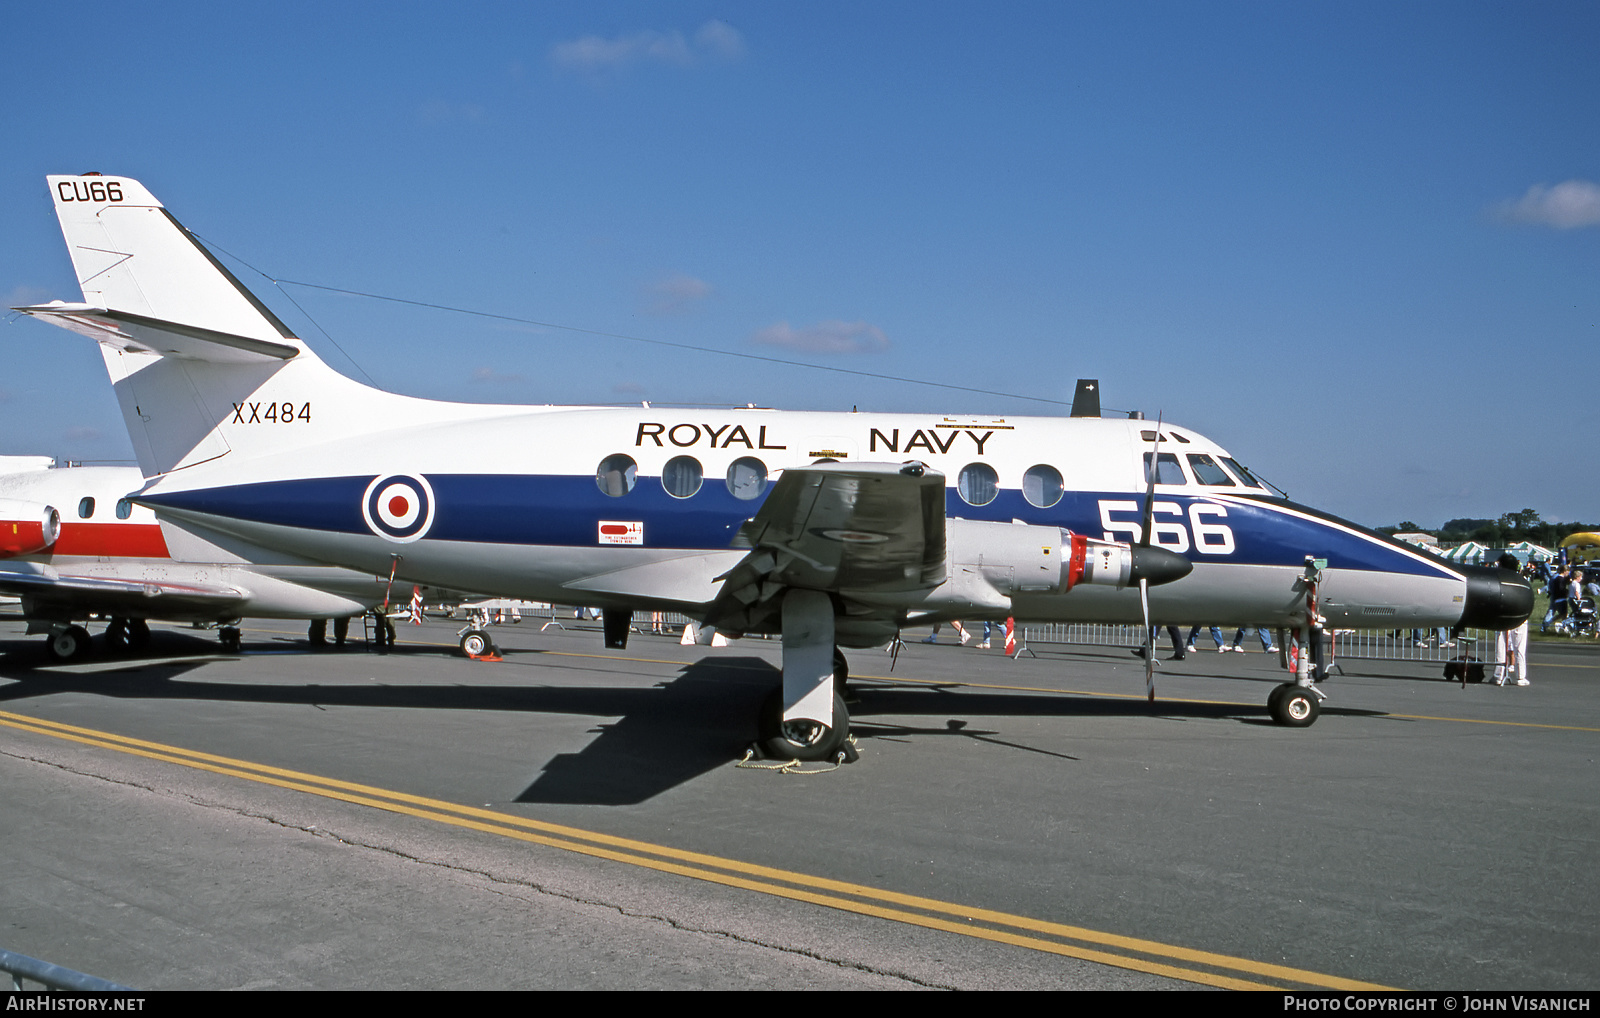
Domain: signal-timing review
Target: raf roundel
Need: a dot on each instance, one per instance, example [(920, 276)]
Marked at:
[(398, 507)]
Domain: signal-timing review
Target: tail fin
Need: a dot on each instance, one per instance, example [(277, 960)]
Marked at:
[(195, 358), (132, 257)]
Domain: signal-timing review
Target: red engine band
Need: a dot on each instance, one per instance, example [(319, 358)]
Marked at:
[(1080, 548)]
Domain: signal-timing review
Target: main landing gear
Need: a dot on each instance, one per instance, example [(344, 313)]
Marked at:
[(805, 718), (68, 642)]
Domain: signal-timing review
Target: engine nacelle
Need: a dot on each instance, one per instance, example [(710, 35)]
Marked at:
[(27, 527), (1016, 558)]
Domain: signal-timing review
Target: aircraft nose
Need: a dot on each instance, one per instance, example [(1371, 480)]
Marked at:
[(1496, 598), (1158, 565)]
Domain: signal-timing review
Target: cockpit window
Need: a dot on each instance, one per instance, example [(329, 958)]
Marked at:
[(1251, 479), (1245, 476), (1168, 471), (1206, 471)]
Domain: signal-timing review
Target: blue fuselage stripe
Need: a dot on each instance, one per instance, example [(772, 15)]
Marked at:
[(565, 511)]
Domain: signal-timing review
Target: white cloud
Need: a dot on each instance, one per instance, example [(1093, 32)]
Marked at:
[(1565, 206), (714, 40), (676, 295), (721, 39), (825, 337)]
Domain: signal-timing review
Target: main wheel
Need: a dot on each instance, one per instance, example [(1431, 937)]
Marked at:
[(116, 636), (138, 634), (231, 639), (475, 643), (841, 673), (1294, 705), (802, 739), (69, 644)]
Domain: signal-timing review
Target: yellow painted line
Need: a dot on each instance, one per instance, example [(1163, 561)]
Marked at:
[(1493, 721), (1217, 703), (855, 898)]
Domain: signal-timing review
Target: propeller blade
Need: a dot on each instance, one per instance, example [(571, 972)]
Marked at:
[(1152, 469), (1149, 642)]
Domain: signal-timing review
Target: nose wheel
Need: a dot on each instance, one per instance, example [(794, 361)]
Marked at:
[(1294, 705)]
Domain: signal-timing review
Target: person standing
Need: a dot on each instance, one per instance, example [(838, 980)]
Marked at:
[(1173, 634), (1511, 646), (1216, 637), (1559, 589), (1261, 631)]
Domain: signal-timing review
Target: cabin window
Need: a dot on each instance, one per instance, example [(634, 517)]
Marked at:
[(85, 508), (1206, 471), (124, 508), (1042, 486), (977, 484), (1168, 470), (617, 475), (681, 476), (747, 478)]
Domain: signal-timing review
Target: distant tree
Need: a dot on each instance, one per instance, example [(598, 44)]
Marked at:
[(1520, 522), (1456, 531)]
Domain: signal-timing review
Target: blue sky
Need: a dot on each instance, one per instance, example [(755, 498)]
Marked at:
[(1357, 244)]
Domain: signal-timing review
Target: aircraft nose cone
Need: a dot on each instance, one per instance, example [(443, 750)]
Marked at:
[(1496, 598), (1158, 565)]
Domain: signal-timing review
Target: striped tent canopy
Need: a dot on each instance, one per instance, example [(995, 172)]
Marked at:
[(1470, 553), (1527, 551)]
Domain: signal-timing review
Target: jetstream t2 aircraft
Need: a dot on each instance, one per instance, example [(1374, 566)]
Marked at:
[(833, 529)]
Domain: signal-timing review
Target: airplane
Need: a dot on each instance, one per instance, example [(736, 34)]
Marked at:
[(831, 530), (74, 544)]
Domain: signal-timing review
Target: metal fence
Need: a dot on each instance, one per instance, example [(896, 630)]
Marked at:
[(1428, 645)]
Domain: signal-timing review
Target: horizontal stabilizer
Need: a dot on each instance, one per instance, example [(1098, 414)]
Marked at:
[(132, 333)]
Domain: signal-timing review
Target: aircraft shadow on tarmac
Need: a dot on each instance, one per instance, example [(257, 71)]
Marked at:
[(664, 735)]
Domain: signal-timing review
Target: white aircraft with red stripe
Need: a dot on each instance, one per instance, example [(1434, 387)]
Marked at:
[(831, 529), (73, 544)]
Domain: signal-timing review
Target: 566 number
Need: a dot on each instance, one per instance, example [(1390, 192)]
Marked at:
[(1209, 538)]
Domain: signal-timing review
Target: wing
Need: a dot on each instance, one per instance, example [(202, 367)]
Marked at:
[(841, 528), (52, 595)]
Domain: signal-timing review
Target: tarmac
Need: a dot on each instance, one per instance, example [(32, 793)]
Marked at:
[(577, 817)]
